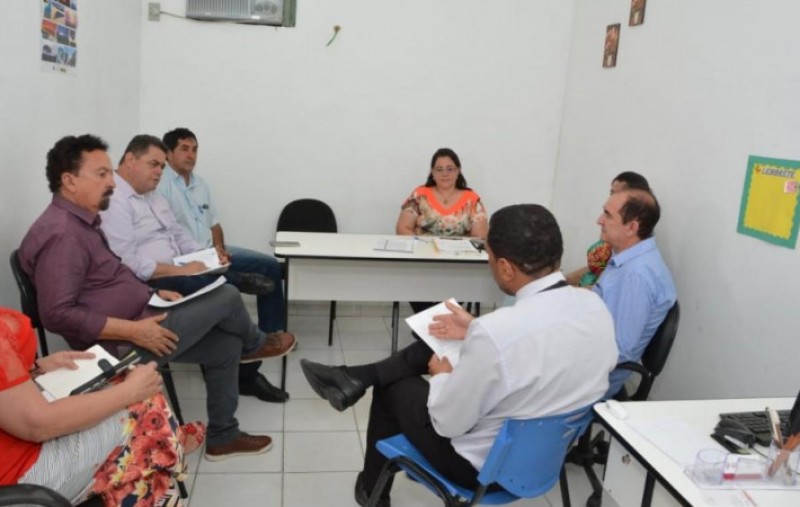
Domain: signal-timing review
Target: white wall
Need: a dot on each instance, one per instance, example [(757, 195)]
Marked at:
[(38, 107), (280, 116), (698, 87)]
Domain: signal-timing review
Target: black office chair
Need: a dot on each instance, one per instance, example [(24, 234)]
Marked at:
[(30, 494), (27, 300), (310, 215), (594, 450)]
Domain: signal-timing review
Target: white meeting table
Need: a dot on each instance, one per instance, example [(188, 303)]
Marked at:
[(346, 267), (637, 458)]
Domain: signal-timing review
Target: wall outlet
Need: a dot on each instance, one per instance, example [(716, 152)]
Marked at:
[(154, 11)]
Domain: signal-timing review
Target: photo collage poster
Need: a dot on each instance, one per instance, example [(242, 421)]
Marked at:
[(59, 32)]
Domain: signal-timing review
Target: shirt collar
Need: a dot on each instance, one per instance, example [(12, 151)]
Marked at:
[(124, 188), (540, 284), (176, 177), (640, 248), (84, 215)]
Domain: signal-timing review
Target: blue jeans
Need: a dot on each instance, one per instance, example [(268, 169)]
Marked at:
[(271, 308)]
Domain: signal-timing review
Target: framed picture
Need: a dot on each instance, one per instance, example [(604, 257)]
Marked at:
[(637, 12), (611, 46)]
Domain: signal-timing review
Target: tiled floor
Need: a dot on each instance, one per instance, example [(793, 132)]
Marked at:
[(316, 451)]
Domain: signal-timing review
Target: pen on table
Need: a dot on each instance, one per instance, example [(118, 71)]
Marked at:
[(424, 240), (774, 426), (749, 498), (792, 442)]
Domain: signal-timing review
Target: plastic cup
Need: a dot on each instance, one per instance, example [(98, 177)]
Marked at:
[(709, 465), (782, 465)]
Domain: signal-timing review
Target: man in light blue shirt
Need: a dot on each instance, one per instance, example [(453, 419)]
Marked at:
[(189, 197), (636, 285)]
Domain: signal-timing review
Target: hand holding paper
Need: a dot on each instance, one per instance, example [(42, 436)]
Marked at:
[(422, 322), (450, 326)]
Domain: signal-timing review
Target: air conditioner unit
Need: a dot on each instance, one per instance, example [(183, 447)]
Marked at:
[(258, 12)]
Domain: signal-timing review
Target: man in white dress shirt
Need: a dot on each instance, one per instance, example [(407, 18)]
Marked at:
[(548, 354)]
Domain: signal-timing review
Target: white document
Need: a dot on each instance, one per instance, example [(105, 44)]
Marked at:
[(59, 383), (158, 302), (208, 257), (451, 349), (405, 245), (454, 245)]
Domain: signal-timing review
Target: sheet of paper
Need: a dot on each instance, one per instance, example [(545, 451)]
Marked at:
[(208, 257), (405, 245), (158, 302), (454, 245), (59, 383), (451, 349)]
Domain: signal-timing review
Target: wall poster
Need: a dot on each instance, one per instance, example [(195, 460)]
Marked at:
[(770, 209), (59, 31)]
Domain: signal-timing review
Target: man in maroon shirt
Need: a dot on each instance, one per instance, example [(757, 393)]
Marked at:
[(87, 295)]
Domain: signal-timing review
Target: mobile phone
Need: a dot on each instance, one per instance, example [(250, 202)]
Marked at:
[(284, 243), (109, 372)]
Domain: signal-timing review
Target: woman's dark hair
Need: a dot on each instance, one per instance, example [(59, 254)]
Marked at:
[(632, 180), (461, 182), (66, 155), (527, 235)]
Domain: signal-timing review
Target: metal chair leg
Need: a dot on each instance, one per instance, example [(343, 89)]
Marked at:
[(169, 384), (330, 323), (565, 500)]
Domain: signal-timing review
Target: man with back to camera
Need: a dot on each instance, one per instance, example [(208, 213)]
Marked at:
[(87, 295), (189, 197), (636, 285), (548, 354), (142, 230)]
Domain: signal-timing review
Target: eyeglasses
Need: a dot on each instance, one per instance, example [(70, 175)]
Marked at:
[(444, 170)]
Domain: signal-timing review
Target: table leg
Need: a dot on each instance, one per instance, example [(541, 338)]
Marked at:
[(285, 319), (649, 484), (395, 324)]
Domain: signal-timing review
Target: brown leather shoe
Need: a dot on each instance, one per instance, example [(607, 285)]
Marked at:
[(243, 445), (277, 345)]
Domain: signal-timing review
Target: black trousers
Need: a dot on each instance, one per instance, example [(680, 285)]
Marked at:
[(399, 405)]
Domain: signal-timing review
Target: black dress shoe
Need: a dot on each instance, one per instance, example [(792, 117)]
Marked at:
[(263, 390), (253, 283), (362, 495), (333, 384)]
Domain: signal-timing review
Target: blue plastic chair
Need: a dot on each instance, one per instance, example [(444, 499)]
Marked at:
[(526, 460)]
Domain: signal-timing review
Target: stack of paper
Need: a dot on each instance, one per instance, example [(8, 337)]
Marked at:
[(454, 245), (59, 383), (209, 257), (451, 349), (159, 302), (405, 245)]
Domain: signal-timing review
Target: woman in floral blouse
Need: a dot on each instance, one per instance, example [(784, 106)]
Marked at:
[(445, 205)]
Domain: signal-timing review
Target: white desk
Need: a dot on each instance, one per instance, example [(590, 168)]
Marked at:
[(345, 267), (635, 462)]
